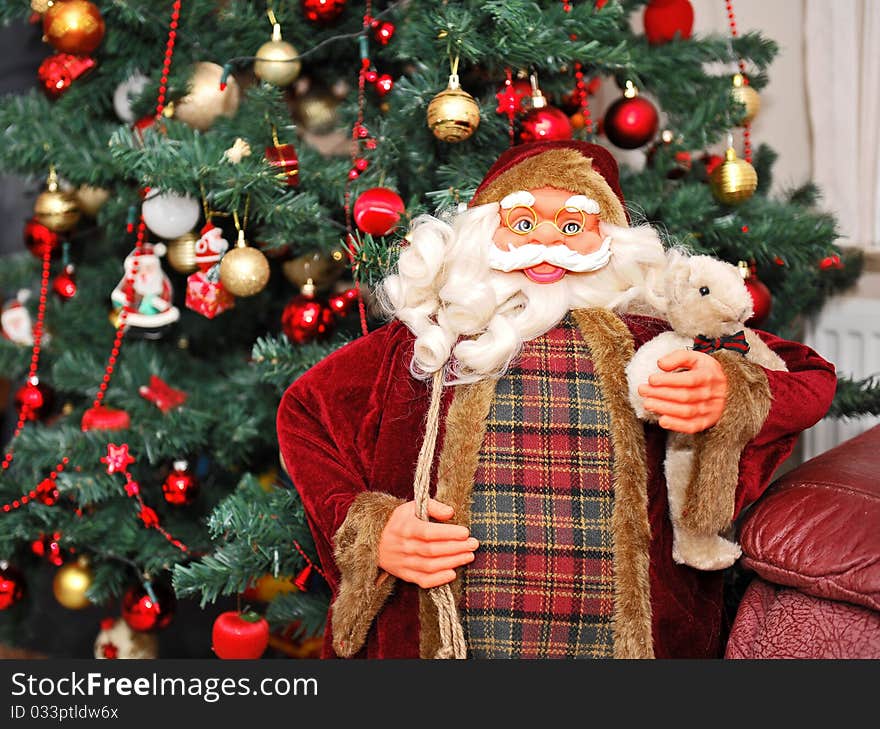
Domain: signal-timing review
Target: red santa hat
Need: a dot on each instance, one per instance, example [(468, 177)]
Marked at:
[(568, 164)]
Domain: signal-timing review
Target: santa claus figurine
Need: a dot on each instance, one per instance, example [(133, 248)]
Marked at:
[(204, 289), (498, 388), (146, 290)]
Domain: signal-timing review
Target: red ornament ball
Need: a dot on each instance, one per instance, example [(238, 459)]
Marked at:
[(544, 124), (711, 161), (340, 304), (65, 283), (664, 19), (37, 238), (33, 400), (142, 613), (322, 11), (305, 319), (239, 636), (12, 587), (181, 487), (58, 72), (762, 300), (631, 123), (378, 210)]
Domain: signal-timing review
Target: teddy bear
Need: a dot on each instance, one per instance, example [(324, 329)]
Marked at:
[(707, 304)]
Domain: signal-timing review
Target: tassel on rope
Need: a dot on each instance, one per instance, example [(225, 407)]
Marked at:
[(452, 644)]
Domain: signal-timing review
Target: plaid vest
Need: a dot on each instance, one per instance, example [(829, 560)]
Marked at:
[(542, 582)]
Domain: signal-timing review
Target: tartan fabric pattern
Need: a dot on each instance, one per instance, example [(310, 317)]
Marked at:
[(542, 582)]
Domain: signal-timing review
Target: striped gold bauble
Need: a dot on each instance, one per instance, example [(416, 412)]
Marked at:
[(453, 115), (744, 94), (181, 254), (733, 181)]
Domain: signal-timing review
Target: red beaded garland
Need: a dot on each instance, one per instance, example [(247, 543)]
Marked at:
[(169, 53), (747, 127)]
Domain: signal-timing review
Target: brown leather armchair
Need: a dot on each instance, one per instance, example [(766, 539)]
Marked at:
[(813, 542)]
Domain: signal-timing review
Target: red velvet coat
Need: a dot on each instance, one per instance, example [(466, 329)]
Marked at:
[(355, 421)]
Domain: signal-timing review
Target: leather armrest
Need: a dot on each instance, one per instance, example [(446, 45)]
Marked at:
[(817, 528)]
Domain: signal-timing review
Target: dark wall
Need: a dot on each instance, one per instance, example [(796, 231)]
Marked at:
[(21, 51)]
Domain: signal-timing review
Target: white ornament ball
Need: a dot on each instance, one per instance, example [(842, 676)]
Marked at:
[(125, 92), (170, 215), (120, 641)]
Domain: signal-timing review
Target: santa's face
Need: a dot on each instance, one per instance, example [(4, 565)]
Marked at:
[(148, 279), (546, 233)]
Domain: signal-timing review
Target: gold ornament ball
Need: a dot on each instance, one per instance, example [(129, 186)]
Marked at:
[(244, 271), (734, 181), (181, 254), (114, 317), (267, 587), (205, 101), (276, 63), (744, 94), (316, 111), (71, 583), (73, 26), (453, 115), (57, 210), (90, 199)]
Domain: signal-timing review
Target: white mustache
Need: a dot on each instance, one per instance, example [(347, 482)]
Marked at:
[(562, 256)]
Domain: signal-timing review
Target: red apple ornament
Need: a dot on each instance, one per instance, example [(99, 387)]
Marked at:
[(239, 636), (378, 210)]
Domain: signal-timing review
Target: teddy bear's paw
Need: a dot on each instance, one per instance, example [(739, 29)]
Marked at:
[(705, 552)]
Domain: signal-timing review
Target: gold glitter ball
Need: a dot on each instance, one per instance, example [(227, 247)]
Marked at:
[(244, 271)]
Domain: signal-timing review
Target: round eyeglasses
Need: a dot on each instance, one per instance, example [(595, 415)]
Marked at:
[(522, 220)]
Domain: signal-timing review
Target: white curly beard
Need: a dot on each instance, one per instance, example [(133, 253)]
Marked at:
[(474, 320)]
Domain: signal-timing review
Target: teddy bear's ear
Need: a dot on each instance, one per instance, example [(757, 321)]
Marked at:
[(677, 270)]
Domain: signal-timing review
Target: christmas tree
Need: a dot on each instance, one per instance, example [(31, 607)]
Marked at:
[(272, 153)]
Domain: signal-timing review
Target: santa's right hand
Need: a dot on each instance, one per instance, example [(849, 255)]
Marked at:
[(424, 552)]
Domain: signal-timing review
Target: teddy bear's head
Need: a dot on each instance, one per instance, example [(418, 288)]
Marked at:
[(705, 296)]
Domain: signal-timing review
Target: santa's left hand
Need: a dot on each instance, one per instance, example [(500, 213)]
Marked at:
[(689, 394)]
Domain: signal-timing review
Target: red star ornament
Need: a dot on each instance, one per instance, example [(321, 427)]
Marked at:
[(132, 488), (118, 458), (162, 395), (110, 651), (510, 97)]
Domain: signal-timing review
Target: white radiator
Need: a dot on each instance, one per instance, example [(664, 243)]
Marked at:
[(847, 333)]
